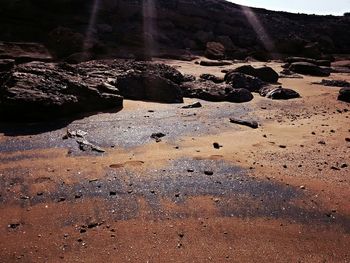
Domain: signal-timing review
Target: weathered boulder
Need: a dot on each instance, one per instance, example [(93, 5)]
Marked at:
[(344, 94), (278, 93), (41, 91), (242, 81), (145, 86), (210, 91), (264, 73), (215, 50), (306, 68)]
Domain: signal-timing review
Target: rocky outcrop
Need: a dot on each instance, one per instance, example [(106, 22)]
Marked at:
[(306, 68), (266, 74), (208, 90), (37, 90)]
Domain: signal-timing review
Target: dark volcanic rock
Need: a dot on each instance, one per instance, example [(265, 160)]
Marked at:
[(279, 93), (145, 86), (215, 50), (193, 105), (251, 124), (344, 94), (208, 90), (40, 90), (242, 81), (264, 73), (306, 68)]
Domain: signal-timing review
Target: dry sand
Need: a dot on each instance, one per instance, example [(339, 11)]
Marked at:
[(279, 193)]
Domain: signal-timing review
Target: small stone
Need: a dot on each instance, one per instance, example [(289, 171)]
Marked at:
[(217, 145), (344, 165), (302, 187), (283, 146), (208, 172), (322, 142)]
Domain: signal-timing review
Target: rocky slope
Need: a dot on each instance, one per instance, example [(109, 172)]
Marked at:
[(140, 28)]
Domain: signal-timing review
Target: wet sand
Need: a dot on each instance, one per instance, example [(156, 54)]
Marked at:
[(279, 193)]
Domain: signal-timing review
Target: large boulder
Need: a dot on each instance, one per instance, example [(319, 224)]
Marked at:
[(344, 94), (242, 81), (145, 86), (306, 68), (215, 50), (210, 91), (41, 91), (264, 73)]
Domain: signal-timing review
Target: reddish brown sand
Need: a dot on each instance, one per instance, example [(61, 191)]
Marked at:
[(285, 151)]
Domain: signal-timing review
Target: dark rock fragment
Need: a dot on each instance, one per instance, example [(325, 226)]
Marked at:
[(251, 124)]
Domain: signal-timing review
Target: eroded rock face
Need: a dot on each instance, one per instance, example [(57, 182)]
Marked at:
[(208, 90)]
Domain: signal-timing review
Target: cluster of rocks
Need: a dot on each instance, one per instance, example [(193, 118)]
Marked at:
[(39, 90)]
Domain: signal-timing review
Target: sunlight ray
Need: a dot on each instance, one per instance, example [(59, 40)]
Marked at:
[(91, 26), (259, 29), (149, 29)]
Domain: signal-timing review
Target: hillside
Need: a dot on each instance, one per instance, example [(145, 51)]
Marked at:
[(126, 28)]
